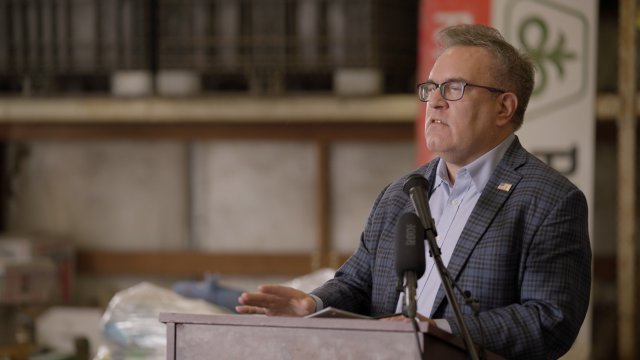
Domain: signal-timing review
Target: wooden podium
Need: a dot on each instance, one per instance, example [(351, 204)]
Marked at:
[(192, 336)]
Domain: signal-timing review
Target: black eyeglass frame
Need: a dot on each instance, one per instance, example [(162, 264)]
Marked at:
[(464, 84)]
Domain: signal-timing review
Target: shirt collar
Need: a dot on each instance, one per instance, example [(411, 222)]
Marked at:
[(480, 169)]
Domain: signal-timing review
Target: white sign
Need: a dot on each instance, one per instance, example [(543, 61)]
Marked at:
[(559, 125)]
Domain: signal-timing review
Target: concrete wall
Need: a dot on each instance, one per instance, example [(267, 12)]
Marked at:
[(101, 195), (217, 196)]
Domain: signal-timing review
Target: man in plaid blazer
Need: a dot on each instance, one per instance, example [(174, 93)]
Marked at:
[(513, 231)]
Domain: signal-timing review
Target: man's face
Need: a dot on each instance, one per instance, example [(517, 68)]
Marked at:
[(463, 130)]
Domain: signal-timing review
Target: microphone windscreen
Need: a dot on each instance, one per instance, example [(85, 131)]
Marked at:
[(410, 254), (415, 180)]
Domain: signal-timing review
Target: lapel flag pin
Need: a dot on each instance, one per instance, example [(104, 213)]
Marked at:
[(504, 187)]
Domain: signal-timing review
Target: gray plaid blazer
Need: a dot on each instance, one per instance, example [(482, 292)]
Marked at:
[(524, 253)]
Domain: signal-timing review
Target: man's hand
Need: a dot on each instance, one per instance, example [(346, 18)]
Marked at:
[(276, 300)]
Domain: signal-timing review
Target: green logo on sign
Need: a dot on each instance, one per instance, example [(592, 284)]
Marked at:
[(542, 52), (557, 38)]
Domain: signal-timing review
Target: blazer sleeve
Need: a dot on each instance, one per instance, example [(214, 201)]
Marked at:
[(351, 287), (367, 283)]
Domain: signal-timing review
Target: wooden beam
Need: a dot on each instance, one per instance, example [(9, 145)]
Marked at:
[(323, 247), (206, 109), (185, 263), (627, 248), (608, 106), (232, 110), (190, 263)]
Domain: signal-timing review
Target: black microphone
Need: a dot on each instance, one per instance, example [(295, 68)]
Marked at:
[(410, 258), (416, 187)]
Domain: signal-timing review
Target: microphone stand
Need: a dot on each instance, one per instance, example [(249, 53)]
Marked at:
[(430, 234), (410, 306)]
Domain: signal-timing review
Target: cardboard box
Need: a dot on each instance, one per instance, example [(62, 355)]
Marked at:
[(33, 252), (27, 282)]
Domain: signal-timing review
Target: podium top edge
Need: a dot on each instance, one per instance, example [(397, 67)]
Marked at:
[(291, 322)]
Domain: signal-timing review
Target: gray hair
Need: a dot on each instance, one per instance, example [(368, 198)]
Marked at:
[(512, 68)]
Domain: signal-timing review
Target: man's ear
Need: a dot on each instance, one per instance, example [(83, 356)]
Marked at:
[(507, 104)]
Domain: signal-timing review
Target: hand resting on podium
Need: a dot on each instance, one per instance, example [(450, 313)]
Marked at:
[(276, 300)]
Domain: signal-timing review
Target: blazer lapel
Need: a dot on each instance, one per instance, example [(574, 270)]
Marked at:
[(502, 183)]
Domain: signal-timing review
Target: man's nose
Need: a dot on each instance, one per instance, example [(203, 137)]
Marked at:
[(436, 100)]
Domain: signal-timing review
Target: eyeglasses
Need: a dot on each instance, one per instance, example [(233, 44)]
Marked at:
[(450, 90)]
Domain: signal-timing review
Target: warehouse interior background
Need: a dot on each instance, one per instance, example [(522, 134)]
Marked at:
[(163, 141)]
